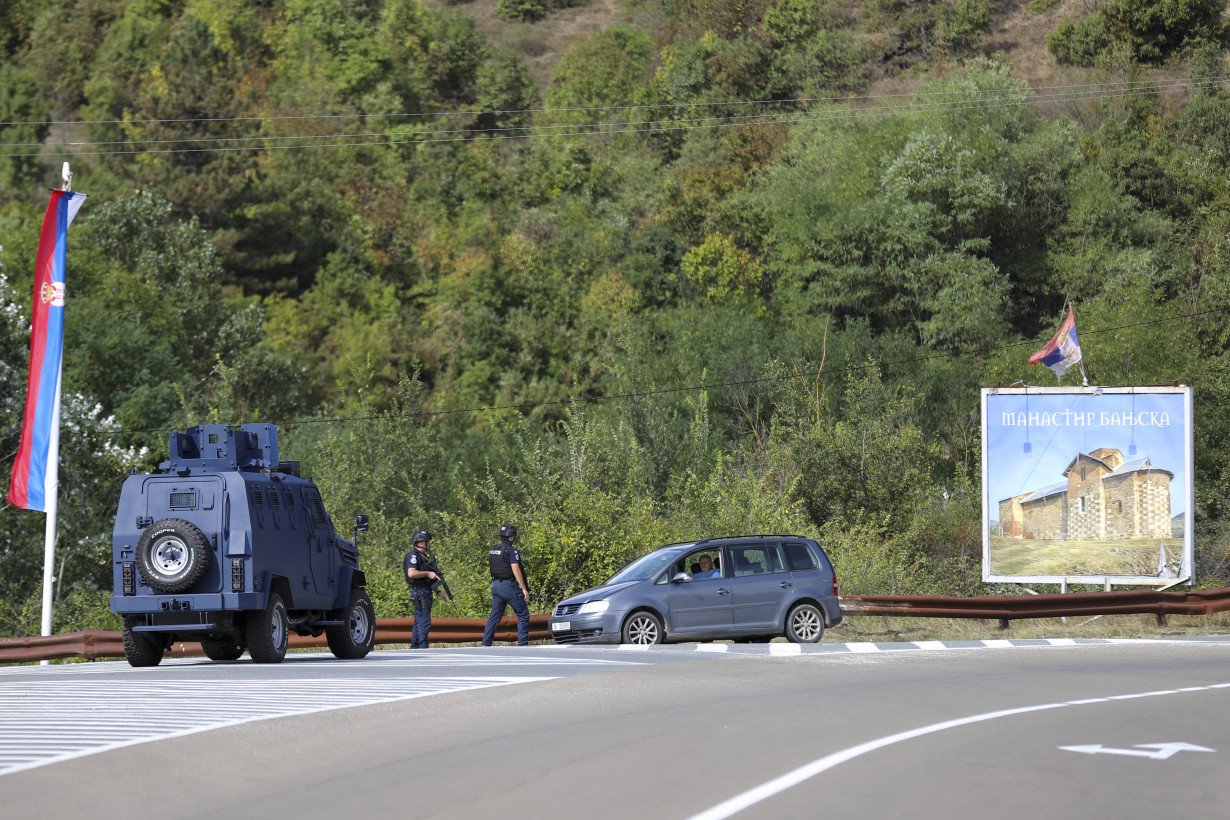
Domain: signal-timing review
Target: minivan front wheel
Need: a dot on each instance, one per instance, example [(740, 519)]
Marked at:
[(805, 624), (643, 628)]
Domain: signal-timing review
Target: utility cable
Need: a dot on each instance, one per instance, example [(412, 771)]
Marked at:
[(834, 99), (609, 128)]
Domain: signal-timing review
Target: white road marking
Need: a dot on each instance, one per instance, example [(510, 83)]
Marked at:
[(763, 792), (555, 654), (785, 649), (862, 647), (51, 720), (1161, 751)]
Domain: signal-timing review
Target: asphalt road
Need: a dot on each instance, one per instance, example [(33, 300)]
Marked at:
[(888, 730)]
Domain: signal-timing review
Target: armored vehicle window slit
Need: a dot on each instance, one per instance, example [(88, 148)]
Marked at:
[(318, 511), (257, 501), (273, 498)]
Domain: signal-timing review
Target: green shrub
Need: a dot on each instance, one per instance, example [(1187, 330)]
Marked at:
[(1078, 43), (1152, 31), (966, 23), (720, 269), (1157, 29), (527, 11)]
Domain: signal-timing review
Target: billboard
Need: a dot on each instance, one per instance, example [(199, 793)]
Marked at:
[(1087, 485)]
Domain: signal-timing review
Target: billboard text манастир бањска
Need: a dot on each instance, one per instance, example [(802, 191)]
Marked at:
[(1087, 484)]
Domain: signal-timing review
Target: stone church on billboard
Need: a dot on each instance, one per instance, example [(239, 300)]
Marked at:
[(1103, 497)]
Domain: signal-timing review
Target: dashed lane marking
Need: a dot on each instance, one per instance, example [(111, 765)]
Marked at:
[(866, 647)]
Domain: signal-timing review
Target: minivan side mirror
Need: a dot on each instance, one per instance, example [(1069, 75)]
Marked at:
[(681, 578)]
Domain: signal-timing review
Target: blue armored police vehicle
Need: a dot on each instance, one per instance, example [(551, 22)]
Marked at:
[(229, 546)]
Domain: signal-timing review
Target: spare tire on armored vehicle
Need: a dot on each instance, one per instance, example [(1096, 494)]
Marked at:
[(172, 555), (227, 546)]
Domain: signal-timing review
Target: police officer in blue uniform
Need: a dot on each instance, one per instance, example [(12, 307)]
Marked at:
[(421, 573), (508, 587)]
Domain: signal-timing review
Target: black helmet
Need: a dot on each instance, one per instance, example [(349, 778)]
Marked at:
[(421, 535), (508, 531)]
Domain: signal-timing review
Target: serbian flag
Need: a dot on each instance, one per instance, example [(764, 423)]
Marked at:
[(33, 477), (1064, 348)]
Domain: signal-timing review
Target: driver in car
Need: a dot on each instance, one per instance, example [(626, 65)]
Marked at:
[(706, 569)]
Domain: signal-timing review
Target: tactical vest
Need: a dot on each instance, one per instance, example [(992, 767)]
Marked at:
[(425, 564), (497, 560)]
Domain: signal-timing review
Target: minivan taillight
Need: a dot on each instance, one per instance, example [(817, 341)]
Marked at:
[(835, 592)]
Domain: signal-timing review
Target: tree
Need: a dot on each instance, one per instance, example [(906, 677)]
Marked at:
[(1156, 29), (23, 126), (871, 462), (92, 464), (598, 75), (144, 324)]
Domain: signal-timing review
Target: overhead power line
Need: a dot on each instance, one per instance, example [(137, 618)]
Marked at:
[(935, 103), (799, 101)]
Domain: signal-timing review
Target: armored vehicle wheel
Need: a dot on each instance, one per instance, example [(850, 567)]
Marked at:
[(643, 628), (172, 554), (140, 649), (354, 638), (804, 624), (267, 631), (222, 650)]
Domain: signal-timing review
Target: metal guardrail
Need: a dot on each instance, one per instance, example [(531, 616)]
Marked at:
[(93, 644), (1015, 607)]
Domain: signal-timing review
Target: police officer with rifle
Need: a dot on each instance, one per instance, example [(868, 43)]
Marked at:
[(424, 577), (508, 587)]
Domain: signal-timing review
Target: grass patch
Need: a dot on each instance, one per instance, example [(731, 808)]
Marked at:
[(1135, 556)]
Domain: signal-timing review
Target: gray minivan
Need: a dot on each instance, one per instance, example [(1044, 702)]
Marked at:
[(744, 588)]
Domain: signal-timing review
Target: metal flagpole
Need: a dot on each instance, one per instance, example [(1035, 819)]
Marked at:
[(53, 478), (52, 503)]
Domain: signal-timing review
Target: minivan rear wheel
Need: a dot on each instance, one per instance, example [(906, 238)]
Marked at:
[(643, 628), (805, 624)]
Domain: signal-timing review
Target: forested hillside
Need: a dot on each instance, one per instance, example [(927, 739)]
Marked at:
[(698, 267)]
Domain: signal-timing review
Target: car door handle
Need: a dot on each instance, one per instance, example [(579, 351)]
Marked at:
[(785, 585), (723, 591)]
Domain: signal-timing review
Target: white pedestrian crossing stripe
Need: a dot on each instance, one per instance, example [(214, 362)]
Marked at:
[(45, 719)]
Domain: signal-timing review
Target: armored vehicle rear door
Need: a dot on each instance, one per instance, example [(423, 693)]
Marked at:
[(195, 499), (323, 552)]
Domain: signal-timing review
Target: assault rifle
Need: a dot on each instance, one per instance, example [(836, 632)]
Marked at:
[(440, 586)]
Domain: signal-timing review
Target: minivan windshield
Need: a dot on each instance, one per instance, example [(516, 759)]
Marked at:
[(644, 568)]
